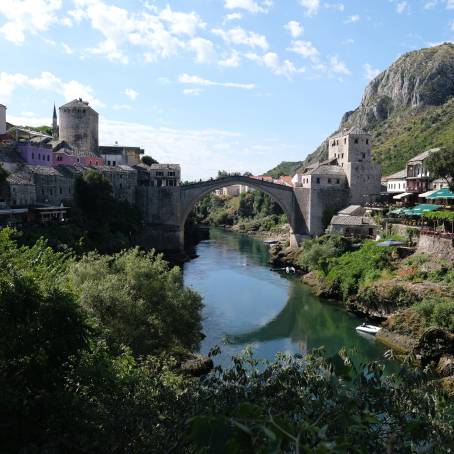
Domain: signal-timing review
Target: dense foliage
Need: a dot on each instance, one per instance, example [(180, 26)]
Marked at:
[(441, 165), (148, 160), (249, 212)]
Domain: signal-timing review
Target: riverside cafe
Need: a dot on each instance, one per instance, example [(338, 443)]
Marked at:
[(436, 218)]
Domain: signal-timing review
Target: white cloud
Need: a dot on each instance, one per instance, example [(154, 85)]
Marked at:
[(67, 49), (203, 49), (131, 94), (182, 23), (239, 36), (431, 4), (335, 6), (450, 4), (49, 82), (27, 16), (294, 28), (196, 80), (232, 16), (352, 19), (401, 7), (304, 48), (311, 6), (232, 61), (252, 6), (192, 91), (338, 67), (370, 72), (160, 35), (272, 61)]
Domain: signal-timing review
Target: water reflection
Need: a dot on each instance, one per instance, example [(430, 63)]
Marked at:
[(247, 304)]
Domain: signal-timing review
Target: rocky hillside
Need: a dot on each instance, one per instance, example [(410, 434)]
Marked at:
[(408, 108)]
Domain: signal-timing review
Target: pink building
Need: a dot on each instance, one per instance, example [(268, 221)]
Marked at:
[(71, 158), (37, 154)]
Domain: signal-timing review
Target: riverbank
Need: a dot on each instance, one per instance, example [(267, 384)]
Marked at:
[(408, 295)]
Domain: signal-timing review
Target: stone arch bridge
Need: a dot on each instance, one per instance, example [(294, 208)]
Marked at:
[(166, 209)]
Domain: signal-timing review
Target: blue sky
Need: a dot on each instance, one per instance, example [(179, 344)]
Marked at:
[(210, 84)]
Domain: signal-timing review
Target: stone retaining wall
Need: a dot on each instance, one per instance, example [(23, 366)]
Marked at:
[(439, 247)]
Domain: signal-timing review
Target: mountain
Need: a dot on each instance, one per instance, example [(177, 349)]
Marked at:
[(408, 108)]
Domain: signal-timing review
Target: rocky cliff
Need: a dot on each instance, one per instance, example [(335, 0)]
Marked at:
[(407, 108)]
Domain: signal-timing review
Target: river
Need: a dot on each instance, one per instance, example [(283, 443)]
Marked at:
[(248, 304)]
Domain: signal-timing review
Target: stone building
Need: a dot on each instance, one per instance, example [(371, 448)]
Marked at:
[(159, 175), (121, 155), (123, 180), (21, 191), (352, 150), (79, 126), (52, 186)]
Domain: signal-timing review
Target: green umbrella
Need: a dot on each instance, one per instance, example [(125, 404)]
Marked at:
[(418, 210), (443, 193)]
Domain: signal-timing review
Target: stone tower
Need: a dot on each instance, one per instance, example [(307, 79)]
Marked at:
[(79, 126), (54, 124), (2, 119), (352, 149)]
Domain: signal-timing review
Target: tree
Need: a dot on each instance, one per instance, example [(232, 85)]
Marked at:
[(140, 301), (148, 160), (441, 165)]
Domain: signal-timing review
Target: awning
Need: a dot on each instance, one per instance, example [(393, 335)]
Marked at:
[(401, 196), (424, 195), (443, 193), (418, 210)]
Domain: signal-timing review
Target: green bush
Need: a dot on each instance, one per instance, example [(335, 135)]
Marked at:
[(139, 301), (350, 270), (437, 312), (318, 253)]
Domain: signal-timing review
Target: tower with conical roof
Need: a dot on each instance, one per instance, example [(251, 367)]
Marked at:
[(54, 124)]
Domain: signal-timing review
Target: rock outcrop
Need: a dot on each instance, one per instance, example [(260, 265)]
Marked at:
[(404, 102)]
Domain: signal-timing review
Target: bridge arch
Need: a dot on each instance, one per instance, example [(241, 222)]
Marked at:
[(282, 195)]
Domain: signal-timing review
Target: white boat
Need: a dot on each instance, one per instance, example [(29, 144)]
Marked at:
[(368, 329)]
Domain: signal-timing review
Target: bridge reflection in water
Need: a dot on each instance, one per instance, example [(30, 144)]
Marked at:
[(247, 304)]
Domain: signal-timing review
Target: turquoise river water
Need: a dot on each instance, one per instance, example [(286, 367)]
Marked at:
[(247, 304)]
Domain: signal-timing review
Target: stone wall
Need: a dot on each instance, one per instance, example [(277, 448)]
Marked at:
[(323, 202), (438, 247)]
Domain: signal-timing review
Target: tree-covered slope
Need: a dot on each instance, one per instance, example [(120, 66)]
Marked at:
[(408, 108)]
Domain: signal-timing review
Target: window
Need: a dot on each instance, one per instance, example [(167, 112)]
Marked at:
[(159, 174), (367, 141), (108, 163), (356, 141), (337, 181), (48, 158), (33, 155), (114, 163), (318, 180), (170, 174), (39, 156), (345, 140), (334, 143), (329, 180), (342, 155), (363, 155)]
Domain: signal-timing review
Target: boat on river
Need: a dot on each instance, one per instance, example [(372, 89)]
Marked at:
[(368, 329)]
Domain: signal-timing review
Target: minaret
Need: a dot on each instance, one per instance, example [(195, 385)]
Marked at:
[(54, 124)]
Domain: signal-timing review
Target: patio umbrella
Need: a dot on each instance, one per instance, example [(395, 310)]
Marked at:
[(388, 243), (443, 193)]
